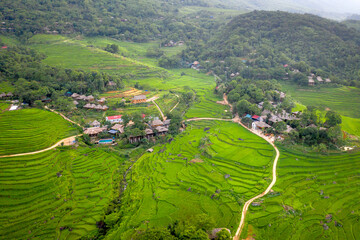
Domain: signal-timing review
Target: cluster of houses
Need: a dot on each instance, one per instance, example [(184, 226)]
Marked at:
[(6, 95), (259, 122), (99, 106), (318, 79), (154, 128), (172, 43)]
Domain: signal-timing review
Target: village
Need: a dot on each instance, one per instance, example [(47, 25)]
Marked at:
[(115, 127)]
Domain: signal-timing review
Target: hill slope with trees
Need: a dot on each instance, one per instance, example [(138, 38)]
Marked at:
[(262, 41)]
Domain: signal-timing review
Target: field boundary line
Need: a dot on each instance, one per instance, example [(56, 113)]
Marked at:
[(176, 103), (63, 116)]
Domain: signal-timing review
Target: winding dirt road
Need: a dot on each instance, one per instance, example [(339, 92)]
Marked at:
[(247, 204)]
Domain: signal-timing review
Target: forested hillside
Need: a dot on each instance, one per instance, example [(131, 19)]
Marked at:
[(139, 20), (265, 41)]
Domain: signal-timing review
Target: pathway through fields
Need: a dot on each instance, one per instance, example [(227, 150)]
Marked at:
[(162, 114), (247, 204)]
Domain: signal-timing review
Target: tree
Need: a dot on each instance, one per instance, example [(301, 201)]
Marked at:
[(332, 118), (223, 235), (280, 126), (242, 107), (113, 48), (300, 79)]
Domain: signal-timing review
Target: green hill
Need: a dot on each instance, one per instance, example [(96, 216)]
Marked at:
[(268, 40)]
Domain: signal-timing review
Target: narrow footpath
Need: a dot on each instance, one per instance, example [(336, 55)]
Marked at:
[(162, 114), (247, 204)]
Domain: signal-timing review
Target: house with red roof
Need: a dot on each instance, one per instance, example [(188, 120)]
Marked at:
[(114, 119), (255, 118)]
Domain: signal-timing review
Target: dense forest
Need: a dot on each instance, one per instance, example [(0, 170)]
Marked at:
[(259, 44), (139, 20)]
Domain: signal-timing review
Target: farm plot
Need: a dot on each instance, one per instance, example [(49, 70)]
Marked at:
[(31, 129), (167, 102), (345, 100), (315, 197), (57, 194), (212, 168), (206, 106), (73, 54)]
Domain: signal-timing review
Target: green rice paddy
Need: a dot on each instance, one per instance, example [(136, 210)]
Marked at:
[(72, 53), (344, 100), (311, 191), (177, 181), (30, 130), (58, 194)]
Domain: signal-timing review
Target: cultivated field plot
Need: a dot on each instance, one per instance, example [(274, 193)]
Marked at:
[(123, 94), (29, 130), (206, 106), (316, 197), (177, 181), (351, 125), (57, 194), (344, 100), (167, 102), (71, 53), (4, 106)]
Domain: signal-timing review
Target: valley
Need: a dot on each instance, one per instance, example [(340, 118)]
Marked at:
[(184, 121)]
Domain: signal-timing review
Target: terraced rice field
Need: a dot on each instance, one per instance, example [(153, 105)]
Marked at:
[(351, 125), (177, 181), (206, 106), (311, 191), (344, 100), (73, 53), (29, 130), (44, 193), (4, 106), (167, 102)]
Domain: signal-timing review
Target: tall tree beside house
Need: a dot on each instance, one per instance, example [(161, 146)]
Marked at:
[(332, 118)]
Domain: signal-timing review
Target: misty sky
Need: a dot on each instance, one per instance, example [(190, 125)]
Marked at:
[(352, 6)]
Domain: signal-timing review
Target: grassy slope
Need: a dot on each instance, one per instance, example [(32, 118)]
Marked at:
[(160, 181), (301, 180), (35, 203), (31, 129)]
